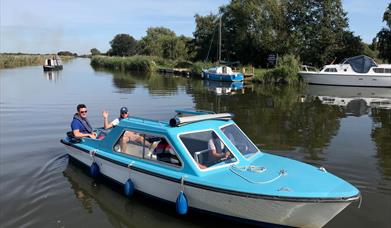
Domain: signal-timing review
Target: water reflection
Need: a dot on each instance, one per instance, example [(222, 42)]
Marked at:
[(157, 84), (381, 135), (356, 101), (275, 118), (52, 75), (138, 211), (224, 88)]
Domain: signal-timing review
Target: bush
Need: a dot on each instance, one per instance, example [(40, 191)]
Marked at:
[(286, 71)]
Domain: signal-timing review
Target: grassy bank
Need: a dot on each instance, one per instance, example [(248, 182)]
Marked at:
[(133, 63), (19, 60), (286, 71)]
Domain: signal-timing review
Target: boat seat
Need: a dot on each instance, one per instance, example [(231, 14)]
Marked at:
[(134, 150), (202, 156)]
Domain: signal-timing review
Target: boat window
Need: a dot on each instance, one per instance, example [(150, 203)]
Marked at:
[(207, 149), (388, 70), (379, 70), (131, 143), (239, 140), (147, 146), (331, 70), (161, 150)]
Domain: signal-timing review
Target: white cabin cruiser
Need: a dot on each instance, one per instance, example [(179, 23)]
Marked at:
[(355, 71)]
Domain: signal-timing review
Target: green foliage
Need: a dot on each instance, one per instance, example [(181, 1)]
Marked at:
[(164, 43), (66, 53), (204, 44), (316, 31), (350, 46), (316, 28), (197, 67), (286, 71), (384, 37), (123, 45), (133, 63), (95, 51)]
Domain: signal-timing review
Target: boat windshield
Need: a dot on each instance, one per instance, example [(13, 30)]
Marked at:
[(207, 149), (239, 140)]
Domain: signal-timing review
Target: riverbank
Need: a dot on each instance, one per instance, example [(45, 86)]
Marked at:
[(147, 64), (286, 70), (20, 60)]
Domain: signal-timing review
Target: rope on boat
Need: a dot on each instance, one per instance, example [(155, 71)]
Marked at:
[(183, 183), (258, 170), (92, 154), (130, 165), (359, 203)]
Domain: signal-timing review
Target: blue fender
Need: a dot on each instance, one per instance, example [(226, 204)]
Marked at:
[(181, 204), (129, 188), (94, 170)]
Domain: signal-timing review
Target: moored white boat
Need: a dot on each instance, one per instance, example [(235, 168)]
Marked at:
[(354, 71), (248, 184)]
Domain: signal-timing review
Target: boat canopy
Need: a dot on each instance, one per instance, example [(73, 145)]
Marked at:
[(361, 63), (221, 70)]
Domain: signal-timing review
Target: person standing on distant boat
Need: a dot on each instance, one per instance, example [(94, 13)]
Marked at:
[(80, 126)]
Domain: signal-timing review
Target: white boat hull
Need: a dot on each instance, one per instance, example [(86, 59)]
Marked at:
[(346, 79), (255, 209)]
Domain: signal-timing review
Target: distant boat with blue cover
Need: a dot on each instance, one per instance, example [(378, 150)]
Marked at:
[(222, 73), (176, 161)]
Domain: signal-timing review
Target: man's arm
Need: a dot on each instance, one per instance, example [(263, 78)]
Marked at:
[(106, 123), (78, 134)]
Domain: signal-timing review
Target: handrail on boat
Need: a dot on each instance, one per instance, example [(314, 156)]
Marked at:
[(178, 121), (193, 112), (308, 68)]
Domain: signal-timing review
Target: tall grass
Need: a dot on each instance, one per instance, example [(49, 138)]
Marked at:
[(286, 71), (133, 63), (19, 60), (11, 61)]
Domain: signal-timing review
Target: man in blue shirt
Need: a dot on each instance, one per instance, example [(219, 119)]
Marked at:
[(80, 125)]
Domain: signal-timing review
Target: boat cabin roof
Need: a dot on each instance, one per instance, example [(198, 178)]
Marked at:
[(221, 70)]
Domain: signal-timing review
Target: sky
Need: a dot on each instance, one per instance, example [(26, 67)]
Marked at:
[(42, 26)]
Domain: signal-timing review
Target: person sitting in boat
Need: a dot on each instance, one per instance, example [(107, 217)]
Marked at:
[(123, 113), (217, 148), (217, 152), (80, 126), (128, 136), (165, 153)]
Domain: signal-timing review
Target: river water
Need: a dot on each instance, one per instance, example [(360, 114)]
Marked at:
[(321, 125)]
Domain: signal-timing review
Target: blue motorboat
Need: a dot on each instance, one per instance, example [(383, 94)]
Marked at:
[(202, 160), (222, 73)]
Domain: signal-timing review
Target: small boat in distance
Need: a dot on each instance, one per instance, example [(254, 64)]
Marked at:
[(177, 161), (53, 63), (222, 73), (355, 71)]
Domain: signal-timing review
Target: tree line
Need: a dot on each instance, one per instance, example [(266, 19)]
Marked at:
[(316, 32)]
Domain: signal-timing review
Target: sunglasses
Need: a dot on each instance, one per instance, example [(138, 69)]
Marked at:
[(124, 113), (83, 111)]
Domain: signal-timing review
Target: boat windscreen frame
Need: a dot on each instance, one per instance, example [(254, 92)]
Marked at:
[(192, 158), (245, 157)]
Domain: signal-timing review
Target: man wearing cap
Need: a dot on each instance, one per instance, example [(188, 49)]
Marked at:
[(128, 135), (123, 114)]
